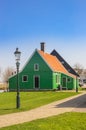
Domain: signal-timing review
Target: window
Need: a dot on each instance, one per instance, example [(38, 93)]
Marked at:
[(57, 79), (69, 80), (25, 78), (36, 67)]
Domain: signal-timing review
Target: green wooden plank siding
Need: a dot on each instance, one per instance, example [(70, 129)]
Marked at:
[(65, 83), (56, 80), (44, 73), (13, 83), (68, 82), (46, 78)]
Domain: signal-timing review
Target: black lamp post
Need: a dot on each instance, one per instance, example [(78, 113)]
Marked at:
[(76, 85), (76, 81), (17, 54)]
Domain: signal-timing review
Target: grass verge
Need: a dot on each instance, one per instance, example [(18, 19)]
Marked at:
[(66, 121), (29, 100)]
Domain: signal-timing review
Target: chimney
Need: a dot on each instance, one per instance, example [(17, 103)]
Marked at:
[(42, 46)]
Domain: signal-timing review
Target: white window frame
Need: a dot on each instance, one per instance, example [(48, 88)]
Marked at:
[(36, 64), (23, 77)]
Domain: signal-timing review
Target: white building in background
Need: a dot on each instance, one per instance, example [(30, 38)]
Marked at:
[(83, 78)]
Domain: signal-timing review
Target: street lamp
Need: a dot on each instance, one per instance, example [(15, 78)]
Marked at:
[(76, 84), (17, 54), (77, 81)]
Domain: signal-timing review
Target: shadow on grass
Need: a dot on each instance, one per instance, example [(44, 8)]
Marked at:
[(8, 109)]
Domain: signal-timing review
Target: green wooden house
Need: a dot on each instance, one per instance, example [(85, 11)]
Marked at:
[(43, 71)]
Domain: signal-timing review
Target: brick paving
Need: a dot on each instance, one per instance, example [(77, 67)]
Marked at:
[(75, 103)]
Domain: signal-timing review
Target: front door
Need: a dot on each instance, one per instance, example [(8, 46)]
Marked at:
[(64, 82), (36, 82)]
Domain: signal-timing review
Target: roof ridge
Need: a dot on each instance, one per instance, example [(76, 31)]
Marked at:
[(65, 64)]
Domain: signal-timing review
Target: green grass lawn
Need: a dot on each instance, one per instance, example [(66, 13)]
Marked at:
[(29, 100), (66, 121)]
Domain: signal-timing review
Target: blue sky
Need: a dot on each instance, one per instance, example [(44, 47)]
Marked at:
[(61, 24)]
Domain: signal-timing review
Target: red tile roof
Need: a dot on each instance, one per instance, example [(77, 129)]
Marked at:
[(54, 63)]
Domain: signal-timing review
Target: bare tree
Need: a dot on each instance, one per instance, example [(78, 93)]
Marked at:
[(78, 68), (84, 72), (7, 73), (0, 74)]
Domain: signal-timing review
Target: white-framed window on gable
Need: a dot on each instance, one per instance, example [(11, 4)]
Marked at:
[(36, 67), (24, 78)]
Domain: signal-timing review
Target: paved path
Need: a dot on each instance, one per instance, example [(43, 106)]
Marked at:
[(75, 103)]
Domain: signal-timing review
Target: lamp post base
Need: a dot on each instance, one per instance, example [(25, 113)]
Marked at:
[(18, 101)]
